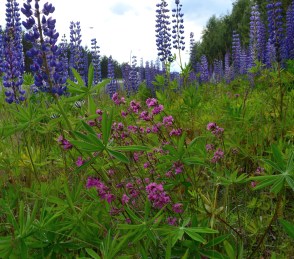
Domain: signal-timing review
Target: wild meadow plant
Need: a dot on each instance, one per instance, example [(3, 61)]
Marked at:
[(196, 164)]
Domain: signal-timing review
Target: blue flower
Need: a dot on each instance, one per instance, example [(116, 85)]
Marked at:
[(178, 28), (48, 66), (11, 54), (162, 32), (96, 61), (111, 86)]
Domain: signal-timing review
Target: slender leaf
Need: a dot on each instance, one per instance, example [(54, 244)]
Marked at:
[(23, 249), (288, 227), (105, 82), (132, 148), (278, 156), (215, 241), (272, 164), (119, 156), (290, 162), (195, 236), (90, 75), (186, 254), (92, 105), (181, 145), (212, 254), (74, 98), (78, 77), (92, 253), (229, 249), (278, 185), (168, 248), (264, 184), (290, 182), (84, 145)]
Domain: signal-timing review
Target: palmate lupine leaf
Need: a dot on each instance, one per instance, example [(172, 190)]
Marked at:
[(278, 180)]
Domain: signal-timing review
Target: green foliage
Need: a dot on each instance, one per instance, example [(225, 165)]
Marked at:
[(212, 210)]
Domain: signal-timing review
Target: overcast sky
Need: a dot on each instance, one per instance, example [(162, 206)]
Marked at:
[(124, 25)]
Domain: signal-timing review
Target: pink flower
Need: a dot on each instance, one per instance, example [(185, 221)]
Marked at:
[(168, 120), (124, 114), (177, 208), (172, 221), (92, 182), (253, 184), (128, 221), (60, 139), (218, 155), (99, 112), (125, 199), (151, 102), (210, 147), (80, 162), (157, 110), (237, 95), (117, 99), (211, 125), (91, 123), (111, 172)]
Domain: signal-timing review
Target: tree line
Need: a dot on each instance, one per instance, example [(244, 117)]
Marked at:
[(217, 35)]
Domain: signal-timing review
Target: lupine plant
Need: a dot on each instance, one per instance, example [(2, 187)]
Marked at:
[(163, 36), (96, 61), (195, 172), (12, 58)]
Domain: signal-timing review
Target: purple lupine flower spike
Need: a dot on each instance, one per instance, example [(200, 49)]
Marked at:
[(110, 75), (48, 67), (96, 61), (12, 64), (76, 58), (275, 29), (162, 30), (178, 28), (236, 53), (204, 69), (192, 52), (134, 77), (289, 44)]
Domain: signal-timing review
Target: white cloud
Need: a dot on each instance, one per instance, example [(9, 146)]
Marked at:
[(124, 25)]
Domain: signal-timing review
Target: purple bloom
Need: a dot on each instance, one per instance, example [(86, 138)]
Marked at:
[(178, 28), (125, 199), (162, 30), (111, 86), (218, 155), (96, 61), (177, 208), (157, 196), (172, 221), (92, 182), (210, 147), (211, 126)]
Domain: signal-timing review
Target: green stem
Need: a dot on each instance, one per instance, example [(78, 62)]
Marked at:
[(237, 209), (35, 172)]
